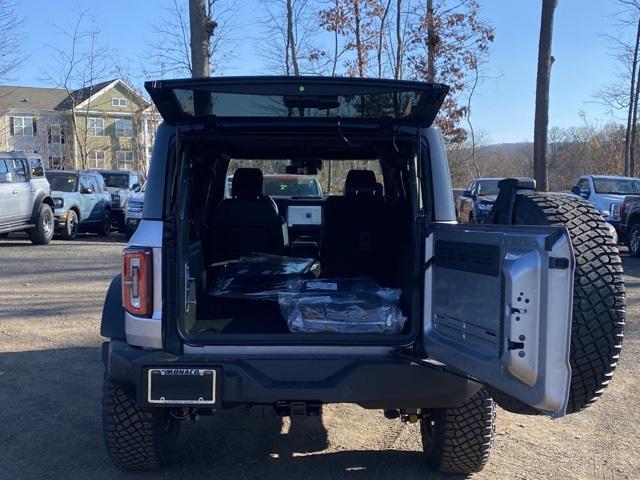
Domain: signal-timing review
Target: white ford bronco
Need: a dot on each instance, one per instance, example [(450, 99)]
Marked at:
[(374, 296)]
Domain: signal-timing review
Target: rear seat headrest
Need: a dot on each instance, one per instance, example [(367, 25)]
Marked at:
[(362, 183), (247, 183)]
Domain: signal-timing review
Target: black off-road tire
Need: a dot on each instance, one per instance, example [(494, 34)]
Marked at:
[(459, 440), (70, 228), (599, 294), (104, 229), (137, 438), (42, 232), (634, 240)]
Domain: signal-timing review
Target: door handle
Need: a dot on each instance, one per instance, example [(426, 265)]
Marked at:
[(15, 192)]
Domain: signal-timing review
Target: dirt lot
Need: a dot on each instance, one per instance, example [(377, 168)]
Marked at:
[(51, 375)]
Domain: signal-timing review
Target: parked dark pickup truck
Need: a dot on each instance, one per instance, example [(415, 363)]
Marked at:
[(476, 202), (630, 223)]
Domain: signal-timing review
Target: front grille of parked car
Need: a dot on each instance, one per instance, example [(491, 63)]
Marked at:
[(135, 207)]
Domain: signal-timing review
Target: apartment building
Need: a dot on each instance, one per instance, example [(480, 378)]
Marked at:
[(106, 125)]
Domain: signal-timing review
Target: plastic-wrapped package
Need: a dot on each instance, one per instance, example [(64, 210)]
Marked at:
[(346, 305), (260, 276)]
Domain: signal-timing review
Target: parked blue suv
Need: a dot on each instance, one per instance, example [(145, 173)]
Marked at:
[(81, 201)]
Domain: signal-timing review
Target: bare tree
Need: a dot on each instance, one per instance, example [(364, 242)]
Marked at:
[(446, 40), (81, 63), (168, 50), (545, 61), (11, 37), (291, 27)]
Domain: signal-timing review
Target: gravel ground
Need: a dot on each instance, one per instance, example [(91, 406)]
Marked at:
[(51, 374)]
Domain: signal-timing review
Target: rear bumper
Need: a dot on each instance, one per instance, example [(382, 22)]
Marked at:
[(370, 381)]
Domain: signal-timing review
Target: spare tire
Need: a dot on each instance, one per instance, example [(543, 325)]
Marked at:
[(599, 295)]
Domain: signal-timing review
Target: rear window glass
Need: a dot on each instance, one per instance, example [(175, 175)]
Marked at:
[(63, 183), (394, 105), (37, 169), (116, 180)]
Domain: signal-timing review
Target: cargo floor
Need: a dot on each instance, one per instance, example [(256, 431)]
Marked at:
[(225, 315)]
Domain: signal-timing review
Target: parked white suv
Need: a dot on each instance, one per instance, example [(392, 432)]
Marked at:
[(25, 197), (606, 193)]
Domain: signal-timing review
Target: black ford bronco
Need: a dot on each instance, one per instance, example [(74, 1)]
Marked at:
[(374, 296)]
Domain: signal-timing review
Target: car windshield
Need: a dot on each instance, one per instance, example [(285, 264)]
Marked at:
[(116, 180), (291, 187), (488, 187), (63, 183), (617, 186)]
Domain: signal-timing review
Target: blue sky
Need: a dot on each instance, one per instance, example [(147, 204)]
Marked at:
[(504, 104)]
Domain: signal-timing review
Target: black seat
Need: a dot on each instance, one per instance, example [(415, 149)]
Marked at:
[(354, 228), (248, 221)]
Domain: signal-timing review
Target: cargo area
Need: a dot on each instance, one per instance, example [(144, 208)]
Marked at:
[(298, 247)]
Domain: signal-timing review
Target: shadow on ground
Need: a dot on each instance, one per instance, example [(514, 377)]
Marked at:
[(50, 427)]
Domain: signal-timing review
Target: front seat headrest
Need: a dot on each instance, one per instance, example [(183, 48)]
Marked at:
[(362, 183), (247, 183)]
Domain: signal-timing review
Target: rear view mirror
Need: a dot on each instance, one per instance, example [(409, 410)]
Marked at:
[(136, 187), (85, 190), (575, 190), (6, 177), (467, 194)]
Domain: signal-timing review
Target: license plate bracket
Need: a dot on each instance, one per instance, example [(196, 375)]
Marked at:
[(182, 386)]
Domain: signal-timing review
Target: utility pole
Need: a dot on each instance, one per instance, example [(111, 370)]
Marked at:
[(545, 60)]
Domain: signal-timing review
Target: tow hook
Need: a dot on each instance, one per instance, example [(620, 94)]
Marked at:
[(188, 414), (406, 416)]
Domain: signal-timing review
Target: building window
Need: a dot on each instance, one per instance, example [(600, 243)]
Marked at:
[(56, 134), (22, 126), (124, 127), (124, 160), (56, 162), (95, 127), (96, 159), (119, 102)]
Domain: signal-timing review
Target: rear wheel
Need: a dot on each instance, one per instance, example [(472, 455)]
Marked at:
[(42, 232), (104, 229), (137, 438), (634, 240), (459, 440), (599, 295), (70, 229)]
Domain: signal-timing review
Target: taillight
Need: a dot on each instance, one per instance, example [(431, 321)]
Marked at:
[(137, 281)]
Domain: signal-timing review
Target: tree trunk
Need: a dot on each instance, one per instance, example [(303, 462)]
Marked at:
[(356, 15), (545, 61), (432, 42), (398, 73), (381, 36), (200, 28), (291, 39), (634, 129), (335, 44), (632, 103)]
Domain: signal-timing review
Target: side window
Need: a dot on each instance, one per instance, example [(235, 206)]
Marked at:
[(37, 170), (4, 168), (584, 184), (133, 179), (20, 169), (85, 184), (96, 185)]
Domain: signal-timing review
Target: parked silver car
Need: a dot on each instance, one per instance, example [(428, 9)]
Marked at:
[(25, 197)]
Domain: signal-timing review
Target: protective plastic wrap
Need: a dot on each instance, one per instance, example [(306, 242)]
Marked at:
[(345, 305), (260, 276)]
